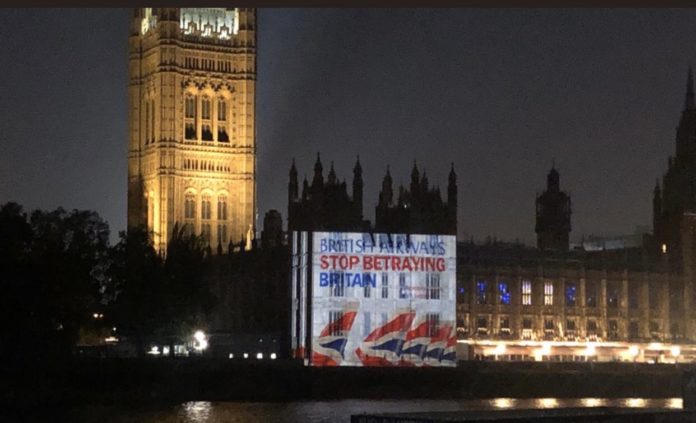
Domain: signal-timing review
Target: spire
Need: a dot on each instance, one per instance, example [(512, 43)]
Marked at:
[(689, 101), (553, 179), (357, 169), (387, 195), (317, 165), (414, 172), (292, 185), (452, 175), (318, 180), (332, 174)]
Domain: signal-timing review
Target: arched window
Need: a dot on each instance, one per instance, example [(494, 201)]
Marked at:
[(222, 233), (205, 207), (190, 206), (222, 207), (190, 107), (205, 108), (222, 110), (190, 117)]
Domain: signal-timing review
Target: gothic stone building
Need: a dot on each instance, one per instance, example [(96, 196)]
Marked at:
[(192, 144), (327, 206)]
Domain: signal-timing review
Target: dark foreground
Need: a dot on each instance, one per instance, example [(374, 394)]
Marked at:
[(111, 381), (563, 415)]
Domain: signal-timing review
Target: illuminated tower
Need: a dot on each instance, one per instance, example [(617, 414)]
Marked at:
[(553, 215), (192, 141)]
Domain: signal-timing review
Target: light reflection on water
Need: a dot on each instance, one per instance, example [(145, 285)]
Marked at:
[(337, 411)]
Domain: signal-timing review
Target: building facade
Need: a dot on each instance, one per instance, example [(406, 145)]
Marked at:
[(192, 142)]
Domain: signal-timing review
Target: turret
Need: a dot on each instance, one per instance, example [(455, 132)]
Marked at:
[(358, 187), (415, 183), (553, 215), (386, 195), (293, 188)]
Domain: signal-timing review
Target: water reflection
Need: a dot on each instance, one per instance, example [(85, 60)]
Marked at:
[(546, 403), (336, 411), (592, 402), (197, 411), (503, 403)]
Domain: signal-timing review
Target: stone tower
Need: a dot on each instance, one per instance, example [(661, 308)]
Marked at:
[(553, 215), (192, 130), (678, 193)]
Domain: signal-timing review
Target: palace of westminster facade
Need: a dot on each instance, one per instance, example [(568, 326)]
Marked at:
[(192, 167)]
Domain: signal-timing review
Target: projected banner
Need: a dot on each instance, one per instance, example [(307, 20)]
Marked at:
[(382, 299)]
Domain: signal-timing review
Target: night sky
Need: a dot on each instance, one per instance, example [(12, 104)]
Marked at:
[(500, 93)]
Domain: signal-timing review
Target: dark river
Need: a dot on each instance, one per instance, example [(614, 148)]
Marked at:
[(332, 411)]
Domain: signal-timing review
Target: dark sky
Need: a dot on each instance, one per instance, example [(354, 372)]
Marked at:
[(498, 92)]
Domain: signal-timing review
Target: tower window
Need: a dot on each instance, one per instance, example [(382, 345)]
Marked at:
[(205, 108), (190, 107), (190, 207), (205, 232), (205, 207), (206, 133), (222, 208), (222, 233), (222, 110), (190, 131), (222, 134)]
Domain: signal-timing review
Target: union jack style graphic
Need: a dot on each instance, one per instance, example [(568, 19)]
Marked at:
[(439, 343), (449, 355), (382, 347), (415, 344), (330, 345)]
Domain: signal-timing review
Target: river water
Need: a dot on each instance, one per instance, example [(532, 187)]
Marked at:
[(332, 411)]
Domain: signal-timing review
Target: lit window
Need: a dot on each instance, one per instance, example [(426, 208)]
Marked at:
[(338, 289), (481, 292), (335, 327), (206, 133), (526, 292), (591, 294), (222, 134), (548, 293), (222, 110), (504, 292), (205, 207), (190, 131), (432, 289), (664, 248), (190, 107), (570, 294), (190, 206), (433, 323), (205, 232), (403, 287), (222, 233), (222, 208), (205, 108)]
